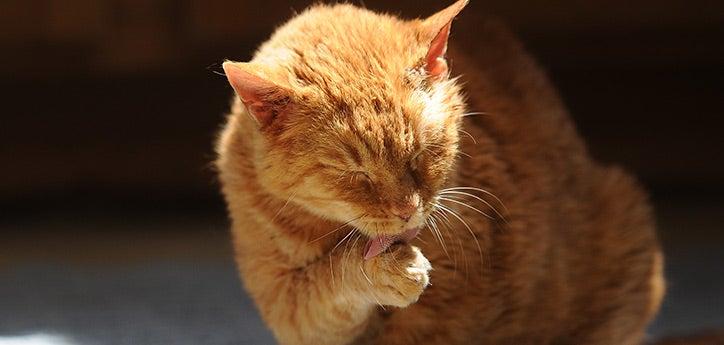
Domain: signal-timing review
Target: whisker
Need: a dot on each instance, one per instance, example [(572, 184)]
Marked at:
[(453, 257), (469, 135), (370, 288), (468, 206), (331, 272), (331, 269), (283, 206), (421, 240), (440, 237), (464, 154), (348, 251), (337, 228), (459, 151), (474, 113), (447, 192), (505, 209), (427, 149), (477, 242), (452, 232), (432, 231), (342, 240)]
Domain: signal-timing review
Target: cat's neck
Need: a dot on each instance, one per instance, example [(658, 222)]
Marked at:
[(302, 235)]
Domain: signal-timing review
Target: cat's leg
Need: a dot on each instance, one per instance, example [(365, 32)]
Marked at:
[(333, 300), (315, 304), (431, 321), (629, 307)]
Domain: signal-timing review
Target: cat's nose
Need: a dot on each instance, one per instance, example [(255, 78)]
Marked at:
[(404, 213), (405, 210)]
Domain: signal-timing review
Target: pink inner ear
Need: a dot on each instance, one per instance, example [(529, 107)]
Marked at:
[(440, 24), (435, 62), (260, 96)]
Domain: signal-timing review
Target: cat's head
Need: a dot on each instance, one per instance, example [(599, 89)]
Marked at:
[(356, 118)]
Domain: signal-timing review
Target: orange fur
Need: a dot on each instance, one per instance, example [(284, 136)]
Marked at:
[(342, 123)]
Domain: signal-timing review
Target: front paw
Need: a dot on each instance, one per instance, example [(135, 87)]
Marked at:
[(399, 276)]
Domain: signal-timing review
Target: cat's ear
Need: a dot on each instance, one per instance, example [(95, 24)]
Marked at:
[(265, 100), (438, 26)]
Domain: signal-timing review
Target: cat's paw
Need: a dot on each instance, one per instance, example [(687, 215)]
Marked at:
[(398, 276)]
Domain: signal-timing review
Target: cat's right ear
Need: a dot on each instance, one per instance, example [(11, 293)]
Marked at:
[(265, 100), (438, 27)]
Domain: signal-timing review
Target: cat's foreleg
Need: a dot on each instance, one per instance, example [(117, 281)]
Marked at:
[(315, 304), (332, 300)]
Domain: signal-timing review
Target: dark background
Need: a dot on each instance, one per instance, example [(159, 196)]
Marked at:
[(110, 107)]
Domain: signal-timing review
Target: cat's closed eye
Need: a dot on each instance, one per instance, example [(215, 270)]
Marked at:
[(350, 174), (416, 160), (362, 175)]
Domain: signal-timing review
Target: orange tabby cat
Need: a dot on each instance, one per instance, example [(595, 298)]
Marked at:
[(373, 203)]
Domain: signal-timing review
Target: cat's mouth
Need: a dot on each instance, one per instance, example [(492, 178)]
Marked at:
[(378, 244)]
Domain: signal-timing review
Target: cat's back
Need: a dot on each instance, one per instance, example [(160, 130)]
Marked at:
[(588, 226)]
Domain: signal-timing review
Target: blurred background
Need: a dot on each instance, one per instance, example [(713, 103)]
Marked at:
[(111, 227)]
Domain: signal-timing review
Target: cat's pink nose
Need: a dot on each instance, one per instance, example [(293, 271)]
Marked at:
[(404, 211)]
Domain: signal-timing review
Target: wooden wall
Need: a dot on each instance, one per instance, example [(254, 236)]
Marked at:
[(117, 97)]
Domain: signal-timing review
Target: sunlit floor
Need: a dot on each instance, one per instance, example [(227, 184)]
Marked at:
[(170, 280), (35, 339)]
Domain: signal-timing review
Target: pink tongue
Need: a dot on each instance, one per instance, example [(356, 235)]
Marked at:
[(379, 244)]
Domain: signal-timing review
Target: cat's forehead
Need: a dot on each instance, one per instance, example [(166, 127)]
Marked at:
[(346, 78), (344, 46), (399, 117), (384, 131)]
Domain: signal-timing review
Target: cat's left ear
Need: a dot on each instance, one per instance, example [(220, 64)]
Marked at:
[(264, 100), (438, 26)]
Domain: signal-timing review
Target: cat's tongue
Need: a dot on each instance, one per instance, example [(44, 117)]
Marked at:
[(379, 244)]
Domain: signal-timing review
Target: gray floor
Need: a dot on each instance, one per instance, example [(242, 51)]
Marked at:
[(179, 299), (150, 303)]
